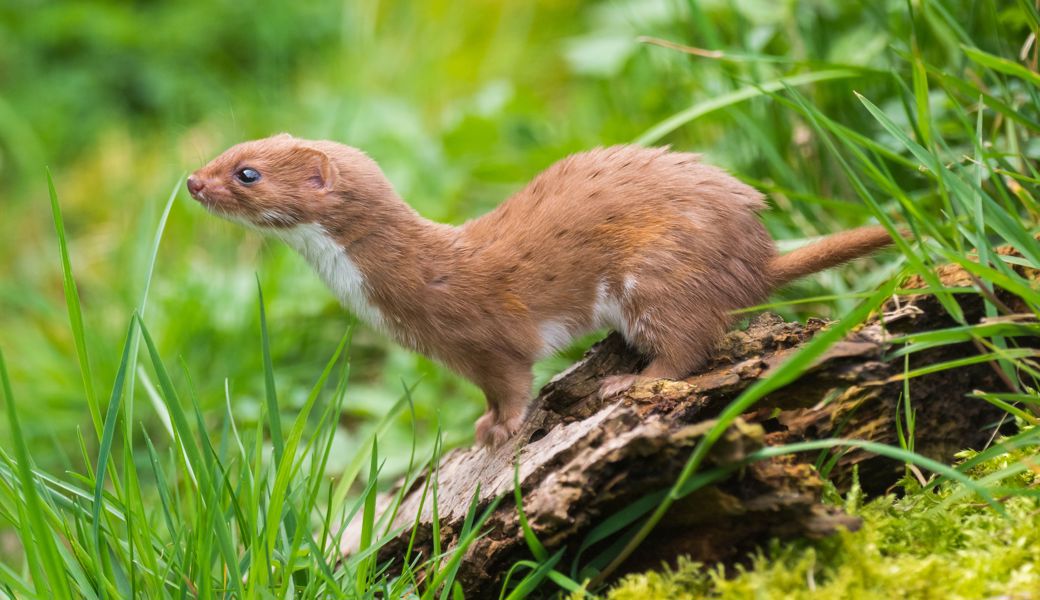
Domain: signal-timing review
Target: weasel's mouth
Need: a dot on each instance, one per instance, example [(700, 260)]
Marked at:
[(202, 197), (222, 212), (226, 211), (211, 204), (214, 206)]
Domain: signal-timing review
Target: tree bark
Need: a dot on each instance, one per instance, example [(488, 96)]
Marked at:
[(582, 459)]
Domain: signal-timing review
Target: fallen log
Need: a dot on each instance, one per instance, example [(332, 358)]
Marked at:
[(581, 459)]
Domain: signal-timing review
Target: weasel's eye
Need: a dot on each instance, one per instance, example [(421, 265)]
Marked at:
[(247, 176)]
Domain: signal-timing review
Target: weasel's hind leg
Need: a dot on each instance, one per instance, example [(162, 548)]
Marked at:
[(678, 348), (685, 341)]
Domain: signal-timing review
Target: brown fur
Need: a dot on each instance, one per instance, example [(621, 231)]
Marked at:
[(831, 251), (654, 243)]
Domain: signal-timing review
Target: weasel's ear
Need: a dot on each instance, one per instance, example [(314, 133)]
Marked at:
[(321, 172)]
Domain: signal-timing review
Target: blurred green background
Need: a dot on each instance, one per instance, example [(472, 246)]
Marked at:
[(460, 102)]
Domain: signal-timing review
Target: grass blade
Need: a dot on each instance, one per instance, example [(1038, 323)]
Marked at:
[(75, 311), (1001, 65), (533, 543), (277, 443), (530, 583), (887, 451)]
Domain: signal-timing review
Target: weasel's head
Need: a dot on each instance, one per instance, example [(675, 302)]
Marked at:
[(273, 183)]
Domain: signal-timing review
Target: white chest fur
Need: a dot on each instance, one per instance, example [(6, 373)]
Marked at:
[(334, 266)]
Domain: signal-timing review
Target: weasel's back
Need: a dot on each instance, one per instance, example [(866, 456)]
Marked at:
[(620, 187)]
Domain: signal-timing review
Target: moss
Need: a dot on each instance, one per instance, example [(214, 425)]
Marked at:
[(936, 543), (687, 582)]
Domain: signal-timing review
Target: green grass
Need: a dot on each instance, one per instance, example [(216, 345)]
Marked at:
[(221, 459), (225, 519)]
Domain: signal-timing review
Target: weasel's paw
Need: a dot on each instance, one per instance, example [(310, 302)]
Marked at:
[(615, 384), (492, 431)]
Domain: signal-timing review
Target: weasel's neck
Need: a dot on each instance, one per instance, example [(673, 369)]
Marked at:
[(376, 261), (335, 267)]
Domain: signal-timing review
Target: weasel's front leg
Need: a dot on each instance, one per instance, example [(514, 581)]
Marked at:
[(507, 388)]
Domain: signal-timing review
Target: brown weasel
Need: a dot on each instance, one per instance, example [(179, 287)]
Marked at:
[(654, 244)]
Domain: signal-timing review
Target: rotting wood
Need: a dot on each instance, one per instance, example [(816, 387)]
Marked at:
[(583, 459)]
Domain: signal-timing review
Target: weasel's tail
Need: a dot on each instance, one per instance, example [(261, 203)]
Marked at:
[(831, 251)]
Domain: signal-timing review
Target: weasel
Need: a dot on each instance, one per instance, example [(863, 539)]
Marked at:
[(652, 243)]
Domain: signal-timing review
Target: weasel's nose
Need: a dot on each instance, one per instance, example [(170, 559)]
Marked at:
[(195, 185)]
